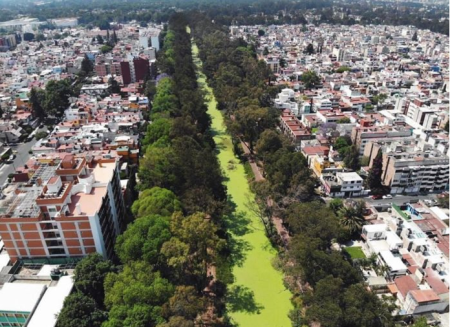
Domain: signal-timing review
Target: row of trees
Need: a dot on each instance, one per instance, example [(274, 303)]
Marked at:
[(167, 251), (336, 295), (244, 12)]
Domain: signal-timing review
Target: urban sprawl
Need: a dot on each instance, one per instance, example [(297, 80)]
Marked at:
[(352, 99)]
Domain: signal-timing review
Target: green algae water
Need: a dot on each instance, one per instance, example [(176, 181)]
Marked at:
[(257, 298)]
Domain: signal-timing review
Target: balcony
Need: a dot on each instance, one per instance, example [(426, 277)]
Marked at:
[(52, 235), (54, 243)]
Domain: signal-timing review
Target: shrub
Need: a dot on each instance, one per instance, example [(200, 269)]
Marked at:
[(41, 135)]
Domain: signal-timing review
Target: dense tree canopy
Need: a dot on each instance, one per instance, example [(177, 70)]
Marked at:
[(80, 310), (143, 239), (289, 183), (90, 274), (310, 79), (156, 201), (85, 307), (167, 250), (134, 296)]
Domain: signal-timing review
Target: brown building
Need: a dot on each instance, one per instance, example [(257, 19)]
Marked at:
[(67, 209)]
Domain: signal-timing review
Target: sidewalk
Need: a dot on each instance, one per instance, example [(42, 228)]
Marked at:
[(278, 223)]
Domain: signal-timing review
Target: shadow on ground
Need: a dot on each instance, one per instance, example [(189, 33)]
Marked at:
[(241, 299), (238, 249)]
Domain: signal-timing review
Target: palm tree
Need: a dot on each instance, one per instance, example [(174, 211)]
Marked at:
[(349, 218)]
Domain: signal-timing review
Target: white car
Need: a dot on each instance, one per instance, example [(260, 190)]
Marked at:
[(387, 196)]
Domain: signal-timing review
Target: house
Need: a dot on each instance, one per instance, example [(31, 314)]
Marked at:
[(422, 301)]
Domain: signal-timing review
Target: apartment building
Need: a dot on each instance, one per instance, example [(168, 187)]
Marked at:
[(274, 64), (286, 100), (293, 128), (149, 38), (409, 169), (343, 185), (361, 135), (67, 209), (421, 112), (134, 71)]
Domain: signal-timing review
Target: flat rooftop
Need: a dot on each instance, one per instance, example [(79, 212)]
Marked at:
[(88, 203), (103, 172), (51, 303), (20, 297)]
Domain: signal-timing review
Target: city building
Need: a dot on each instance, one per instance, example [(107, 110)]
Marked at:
[(67, 209), (408, 168), (343, 185)]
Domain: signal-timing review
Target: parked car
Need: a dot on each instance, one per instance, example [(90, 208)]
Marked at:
[(376, 197), (388, 196), (12, 157)]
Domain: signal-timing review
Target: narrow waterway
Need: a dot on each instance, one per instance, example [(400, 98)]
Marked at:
[(257, 298)]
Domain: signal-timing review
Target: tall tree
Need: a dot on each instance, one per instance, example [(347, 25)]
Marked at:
[(90, 274), (315, 220), (86, 65), (135, 296), (310, 79), (351, 160), (374, 181), (309, 49), (57, 95), (268, 143), (80, 310), (414, 37), (251, 121), (143, 239), (156, 201), (114, 37), (158, 133), (113, 85), (178, 322), (100, 39), (37, 97), (186, 303)]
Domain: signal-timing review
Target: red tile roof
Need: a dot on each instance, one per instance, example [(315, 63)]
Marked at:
[(435, 282), (424, 296), (405, 284)]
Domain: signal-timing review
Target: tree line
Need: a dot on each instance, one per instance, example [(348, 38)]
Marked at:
[(167, 250), (332, 291), (243, 12), (162, 277)]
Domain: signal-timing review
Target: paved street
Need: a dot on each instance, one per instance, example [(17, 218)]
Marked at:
[(22, 157), (396, 199), (400, 199)]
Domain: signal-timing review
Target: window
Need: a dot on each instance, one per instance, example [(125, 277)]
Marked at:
[(51, 209)]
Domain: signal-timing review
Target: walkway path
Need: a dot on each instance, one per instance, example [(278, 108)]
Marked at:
[(277, 222), (257, 298)]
